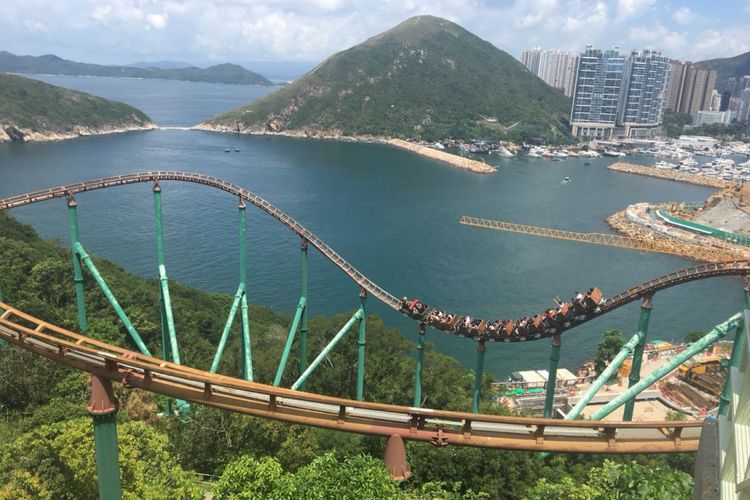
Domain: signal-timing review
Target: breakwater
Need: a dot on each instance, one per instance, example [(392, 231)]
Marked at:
[(668, 174), (451, 159)]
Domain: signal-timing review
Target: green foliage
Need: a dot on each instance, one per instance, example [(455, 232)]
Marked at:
[(677, 124), (57, 461), (617, 481), (357, 477), (676, 415), (727, 67), (427, 78), (52, 65), (694, 336), (674, 124), (40, 107), (608, 349)]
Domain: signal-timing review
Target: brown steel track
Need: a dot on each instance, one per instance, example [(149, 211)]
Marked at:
[(418, 424), (702, 271)]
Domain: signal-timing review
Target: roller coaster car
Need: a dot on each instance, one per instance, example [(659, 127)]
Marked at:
[(506, 329), (594, 298)]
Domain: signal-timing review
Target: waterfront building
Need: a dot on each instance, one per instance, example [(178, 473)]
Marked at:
[(644, 87), (709, 117), (557, 69), (690, 87), (743, 114), (597, 93), (617, 96), (724, 105)]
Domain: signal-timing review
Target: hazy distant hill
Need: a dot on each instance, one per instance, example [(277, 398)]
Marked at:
[(32, 110), (728, 67), (53, 65), (426, 78)]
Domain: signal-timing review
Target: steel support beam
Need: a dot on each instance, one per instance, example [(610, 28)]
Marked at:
[(3, 343), (357, 316), (102, 407), (478, 375), (635, 367), (227, 327), (603, 377), (554, 358), (86, 259), (246, 346), (167, 318), (420, 362), (289, 341), (715, 334), (77, 271), (361, 341), (303, 320), (737, 347)]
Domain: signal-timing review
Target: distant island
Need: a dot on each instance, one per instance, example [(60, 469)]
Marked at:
[(53, 65), (35, 111), (426, 79)]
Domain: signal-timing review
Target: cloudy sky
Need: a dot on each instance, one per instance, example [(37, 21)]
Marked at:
[(203, 31)]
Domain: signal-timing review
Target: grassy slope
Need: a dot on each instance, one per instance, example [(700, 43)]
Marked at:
[(426, 77), (49, 64), (40, 107), (728, 67)]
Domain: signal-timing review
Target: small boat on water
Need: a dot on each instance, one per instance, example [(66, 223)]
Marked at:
[(566, 179), (533, 154), (236, 150), (587, 163), (613, 153), (227, 150)]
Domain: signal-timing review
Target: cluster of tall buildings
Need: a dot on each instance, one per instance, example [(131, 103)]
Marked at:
[(558, 69), (619, 96)]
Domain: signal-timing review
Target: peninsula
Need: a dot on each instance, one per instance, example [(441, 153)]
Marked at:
[(426, 79), (52, 65), (35, 111)]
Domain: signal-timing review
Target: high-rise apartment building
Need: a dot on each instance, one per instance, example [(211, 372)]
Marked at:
[(690, 87), (617, 96), (558, 69), (644, 88), (597, 93)]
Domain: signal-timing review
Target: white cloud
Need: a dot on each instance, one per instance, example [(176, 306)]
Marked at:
[(631, 8), (659, 37), (156, 20), (683, 15)]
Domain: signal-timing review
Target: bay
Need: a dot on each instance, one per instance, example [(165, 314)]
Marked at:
[(390, 213)]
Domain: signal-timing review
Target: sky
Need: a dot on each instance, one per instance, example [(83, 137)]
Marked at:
[(211, 31)]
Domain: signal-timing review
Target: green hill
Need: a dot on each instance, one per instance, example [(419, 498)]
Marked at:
[(53, 65), (31, 110), (728, 67), (426, 78)]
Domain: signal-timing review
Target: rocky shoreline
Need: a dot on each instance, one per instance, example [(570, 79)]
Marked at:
[(451, 159), (13, 134), (668, 174)]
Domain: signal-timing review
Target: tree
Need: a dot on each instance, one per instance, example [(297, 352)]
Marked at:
[(694, 336), (608, 349)]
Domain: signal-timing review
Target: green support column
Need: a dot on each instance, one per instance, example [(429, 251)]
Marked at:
[(103, 410), (247, 353), (715, 334), (478, 375), (635, 367), (289, 341), (86, 260), (420, 362), (737, 348), (361, 346), (357, 316), (303, 321), (554, 358), (227, 327), (169, 335), (77, 271), (2, 342)]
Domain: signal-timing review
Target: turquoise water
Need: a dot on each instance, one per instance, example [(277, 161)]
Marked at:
[(390, 213)]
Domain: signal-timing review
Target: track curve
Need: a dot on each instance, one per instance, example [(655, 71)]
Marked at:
[(702, 271), (417, 424)]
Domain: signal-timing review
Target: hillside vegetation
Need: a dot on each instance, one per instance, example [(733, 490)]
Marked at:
[(52, 65), (728, 67), (33, 110), (46, 441), (427, 78)]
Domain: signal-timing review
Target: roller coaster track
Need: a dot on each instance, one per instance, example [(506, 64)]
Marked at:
[(699, 272), (418, 424)]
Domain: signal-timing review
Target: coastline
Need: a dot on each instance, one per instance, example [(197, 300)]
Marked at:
[(36, 136), (433, 154), (630, 168)]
